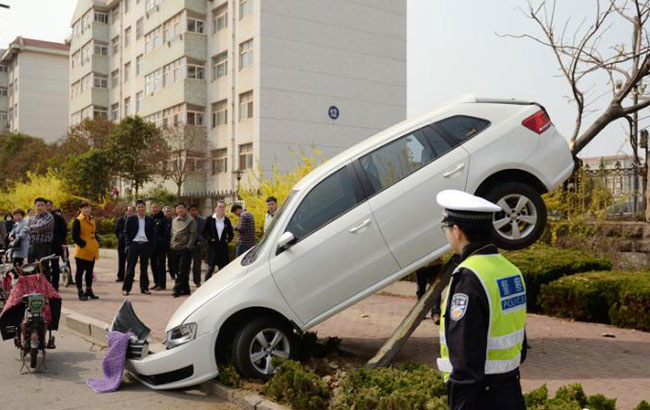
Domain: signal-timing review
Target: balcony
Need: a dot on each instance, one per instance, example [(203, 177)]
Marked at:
[(168, 9), (98, 31), (191, 45), (94, 96), (189, 91)]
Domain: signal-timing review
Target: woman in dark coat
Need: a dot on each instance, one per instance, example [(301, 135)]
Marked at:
[(218, 233)]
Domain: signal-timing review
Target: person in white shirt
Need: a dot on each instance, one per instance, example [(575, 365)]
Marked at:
[(272, 207), (218, 233), (139, 235)]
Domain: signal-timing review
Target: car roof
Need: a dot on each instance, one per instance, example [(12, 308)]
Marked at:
[(376, 140)]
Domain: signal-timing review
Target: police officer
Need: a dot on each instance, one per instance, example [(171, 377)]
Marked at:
[(482, 331)]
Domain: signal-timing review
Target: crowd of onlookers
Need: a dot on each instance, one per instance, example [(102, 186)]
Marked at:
[(174, 240)]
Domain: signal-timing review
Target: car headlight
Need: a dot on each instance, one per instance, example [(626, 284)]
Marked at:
[(180, 335)]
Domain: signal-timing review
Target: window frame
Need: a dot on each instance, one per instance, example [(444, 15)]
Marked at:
[(359, 194)]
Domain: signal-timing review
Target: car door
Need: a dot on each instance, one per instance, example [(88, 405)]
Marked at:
[(339, 251), (404, 177)]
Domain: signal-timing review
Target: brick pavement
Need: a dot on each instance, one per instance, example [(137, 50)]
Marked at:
[(562, 351)]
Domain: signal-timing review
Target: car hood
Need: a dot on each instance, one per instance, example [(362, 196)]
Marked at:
[(221, 281)]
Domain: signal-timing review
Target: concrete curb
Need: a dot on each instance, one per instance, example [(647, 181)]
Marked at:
[(95, 331)]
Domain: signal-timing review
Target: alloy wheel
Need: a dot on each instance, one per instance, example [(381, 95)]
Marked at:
[(266, 345), (518, 218)]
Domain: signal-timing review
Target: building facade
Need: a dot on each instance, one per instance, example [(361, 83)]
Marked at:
[(251, 80), (34, 88)]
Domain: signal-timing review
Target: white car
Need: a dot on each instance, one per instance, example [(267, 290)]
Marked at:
[(358, 223)]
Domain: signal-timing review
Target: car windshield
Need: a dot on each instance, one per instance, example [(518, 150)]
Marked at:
[(251, 256)]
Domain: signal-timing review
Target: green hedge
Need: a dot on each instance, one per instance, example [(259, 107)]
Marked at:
[(542, 264), (618, 298)]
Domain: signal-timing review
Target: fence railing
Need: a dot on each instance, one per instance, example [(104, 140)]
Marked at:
[(627, 187)]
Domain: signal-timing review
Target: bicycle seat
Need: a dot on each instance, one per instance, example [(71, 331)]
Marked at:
[(30, 269)]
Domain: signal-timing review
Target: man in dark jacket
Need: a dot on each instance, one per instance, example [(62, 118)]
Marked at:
[(162, 233), (197, 252), (59, 239), (139, 236), (120, 224), (218, 234)]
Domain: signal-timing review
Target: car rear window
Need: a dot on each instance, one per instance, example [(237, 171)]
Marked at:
[(463, 127)]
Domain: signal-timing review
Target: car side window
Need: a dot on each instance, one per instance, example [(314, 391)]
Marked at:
[(328, 200), (398, 159), (463, 127)]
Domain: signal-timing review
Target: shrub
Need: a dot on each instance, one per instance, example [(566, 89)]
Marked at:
[(570, 397), (109, 241), (537, 397), (619, 298), (644, 405), (161, 195), (22, 194), (542, 264), (410, 387), (295, 386), (228, 376)]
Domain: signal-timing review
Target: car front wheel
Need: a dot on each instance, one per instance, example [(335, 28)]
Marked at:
[(523, 218), (258, 343)]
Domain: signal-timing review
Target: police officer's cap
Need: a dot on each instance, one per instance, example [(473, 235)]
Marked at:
[(462, 207)]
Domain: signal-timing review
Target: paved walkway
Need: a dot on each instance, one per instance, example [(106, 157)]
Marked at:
[(562, 351)]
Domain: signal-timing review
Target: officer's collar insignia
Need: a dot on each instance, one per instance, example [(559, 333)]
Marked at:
[(459, 303)]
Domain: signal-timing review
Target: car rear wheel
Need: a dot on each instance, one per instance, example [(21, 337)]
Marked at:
[(523, 218), (258, 343)]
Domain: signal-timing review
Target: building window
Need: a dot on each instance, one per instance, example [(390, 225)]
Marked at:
[(86, 51), (127, 71), (115, 45), (149, 5), (100, 81), (219, 161), (115, 15), (246, 156), (100, 112), (173, 72), (126, 6), (153, 81), (3, 69), (153, 39), (138, 101), (172, 28), (138, 65), (195, 71), (194, 118), (219, 113), (101, 17), (3, 91), (139, 28), (245, 8), (155, 118), (195, 25), (115, 112), (115, 78), (101, 50), (245, 105), (127, 36), (220, 65), (172, 116), (127, 106), (220, 18), (245, 54)]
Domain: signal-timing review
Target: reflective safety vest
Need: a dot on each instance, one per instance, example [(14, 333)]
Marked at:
[(506, 295)]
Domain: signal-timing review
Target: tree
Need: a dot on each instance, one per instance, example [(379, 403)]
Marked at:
[(19, 155), (585, 59), (88, 174), (185, 153), (81, 138), (137, 151)]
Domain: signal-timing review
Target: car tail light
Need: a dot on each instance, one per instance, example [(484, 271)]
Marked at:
[(538, 122)]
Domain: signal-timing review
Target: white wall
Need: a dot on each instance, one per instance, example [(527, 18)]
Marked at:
[(317, 54), (43, 95)]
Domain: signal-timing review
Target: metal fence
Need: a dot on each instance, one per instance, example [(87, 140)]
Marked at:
[(627, 186)]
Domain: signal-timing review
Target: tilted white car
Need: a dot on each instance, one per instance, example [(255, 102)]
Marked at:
[(357, 223)]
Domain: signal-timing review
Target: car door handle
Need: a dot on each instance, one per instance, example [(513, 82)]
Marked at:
[(456, 170), (360, 226)]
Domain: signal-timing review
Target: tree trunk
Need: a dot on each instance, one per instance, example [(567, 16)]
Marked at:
[(178, 190), (394, 344), (612, 113)]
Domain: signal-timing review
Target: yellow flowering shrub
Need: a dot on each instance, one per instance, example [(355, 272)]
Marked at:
[(262, 186), (22, 194)]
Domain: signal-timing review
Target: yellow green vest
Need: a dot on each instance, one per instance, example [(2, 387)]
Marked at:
[(506, 294)]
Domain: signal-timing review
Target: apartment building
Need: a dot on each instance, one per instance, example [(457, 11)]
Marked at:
[(34, 88), (256, 79)]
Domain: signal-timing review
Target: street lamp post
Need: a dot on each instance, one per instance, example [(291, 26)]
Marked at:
[(238, 174)]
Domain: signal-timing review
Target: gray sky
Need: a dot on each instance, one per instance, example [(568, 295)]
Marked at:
[(452, 49)]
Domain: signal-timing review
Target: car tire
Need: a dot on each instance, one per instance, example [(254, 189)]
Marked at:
[(257, 340), (523, 218)]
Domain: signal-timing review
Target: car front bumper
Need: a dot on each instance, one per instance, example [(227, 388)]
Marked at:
[(187, 365)]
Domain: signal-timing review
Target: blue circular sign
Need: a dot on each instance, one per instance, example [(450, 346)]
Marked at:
[(333, 112)]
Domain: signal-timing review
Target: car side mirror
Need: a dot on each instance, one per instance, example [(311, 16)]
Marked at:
[(286, 240)]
